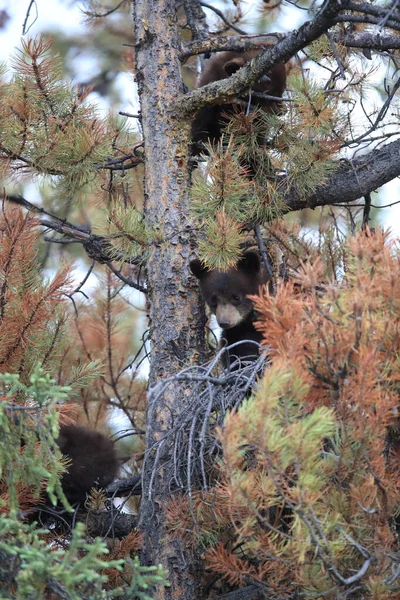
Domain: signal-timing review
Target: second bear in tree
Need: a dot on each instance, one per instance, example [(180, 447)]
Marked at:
[(93, 461), (209, 122), (226, 293)]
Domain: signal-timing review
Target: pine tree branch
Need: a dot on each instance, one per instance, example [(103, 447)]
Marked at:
[(196, 19), (374, 41), (97, 248), (111, 164), (12, 156), (384, 12), (353, 179), (284, 50), (240, 43), (17, 199), (371, 40), (346, 18), (118, 164), (96, 15)]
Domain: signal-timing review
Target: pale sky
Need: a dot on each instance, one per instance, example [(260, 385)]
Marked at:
[(50, 12)]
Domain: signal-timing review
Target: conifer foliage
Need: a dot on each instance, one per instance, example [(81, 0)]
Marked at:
[(308, 499), (45, 128), (243, 183), (31, 313), (35, 345)]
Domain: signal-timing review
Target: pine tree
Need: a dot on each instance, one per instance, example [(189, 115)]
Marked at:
[(279, 484)]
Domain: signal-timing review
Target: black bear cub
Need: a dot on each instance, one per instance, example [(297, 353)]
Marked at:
[(226, 293), (93, 461), (209, 122)]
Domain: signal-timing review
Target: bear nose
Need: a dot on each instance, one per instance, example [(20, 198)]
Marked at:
[(223, 324)]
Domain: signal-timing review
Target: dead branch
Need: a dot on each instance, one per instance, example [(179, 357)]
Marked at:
[(196, 19), (191, 440), (372, 40), (97, 248), (131, 486), (96, 15)]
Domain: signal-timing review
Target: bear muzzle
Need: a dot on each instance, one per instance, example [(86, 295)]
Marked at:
[(228, 316)]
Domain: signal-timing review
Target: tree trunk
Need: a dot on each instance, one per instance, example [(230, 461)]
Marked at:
[(176, 321)]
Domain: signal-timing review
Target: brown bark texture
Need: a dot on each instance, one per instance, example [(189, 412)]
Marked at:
[(175, 315)]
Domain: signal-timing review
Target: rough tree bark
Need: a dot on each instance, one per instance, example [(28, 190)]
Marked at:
[(176, 322)]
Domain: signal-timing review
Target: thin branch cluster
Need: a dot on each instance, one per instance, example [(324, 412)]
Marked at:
[(190, 446)]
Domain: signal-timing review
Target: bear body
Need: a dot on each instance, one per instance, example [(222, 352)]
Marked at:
[(226, 294), (94, 461), (209, 122)]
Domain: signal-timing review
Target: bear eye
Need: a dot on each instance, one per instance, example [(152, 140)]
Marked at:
[(214, 300), (235, 299)]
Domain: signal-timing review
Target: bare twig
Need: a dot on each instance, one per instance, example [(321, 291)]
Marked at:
[(131, 115), (336, 55), (122, 487), (24, 26), (118, 164), (380, 115), (106, 13), (367, 208), (127, 280), (193, 445), (221, 15), (78, 289)]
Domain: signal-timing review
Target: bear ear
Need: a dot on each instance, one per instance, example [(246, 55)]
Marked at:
[(233, 65), (197, 268), (250, 262)]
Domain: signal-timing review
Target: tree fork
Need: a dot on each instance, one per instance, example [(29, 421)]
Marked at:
[(176, 321)]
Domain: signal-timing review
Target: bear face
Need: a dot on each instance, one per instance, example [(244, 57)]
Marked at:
[(226, 292), (225, 64), (209, 121)]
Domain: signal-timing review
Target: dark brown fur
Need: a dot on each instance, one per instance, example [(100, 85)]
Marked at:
[(94, 461), (209, 122), (226, 295)]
